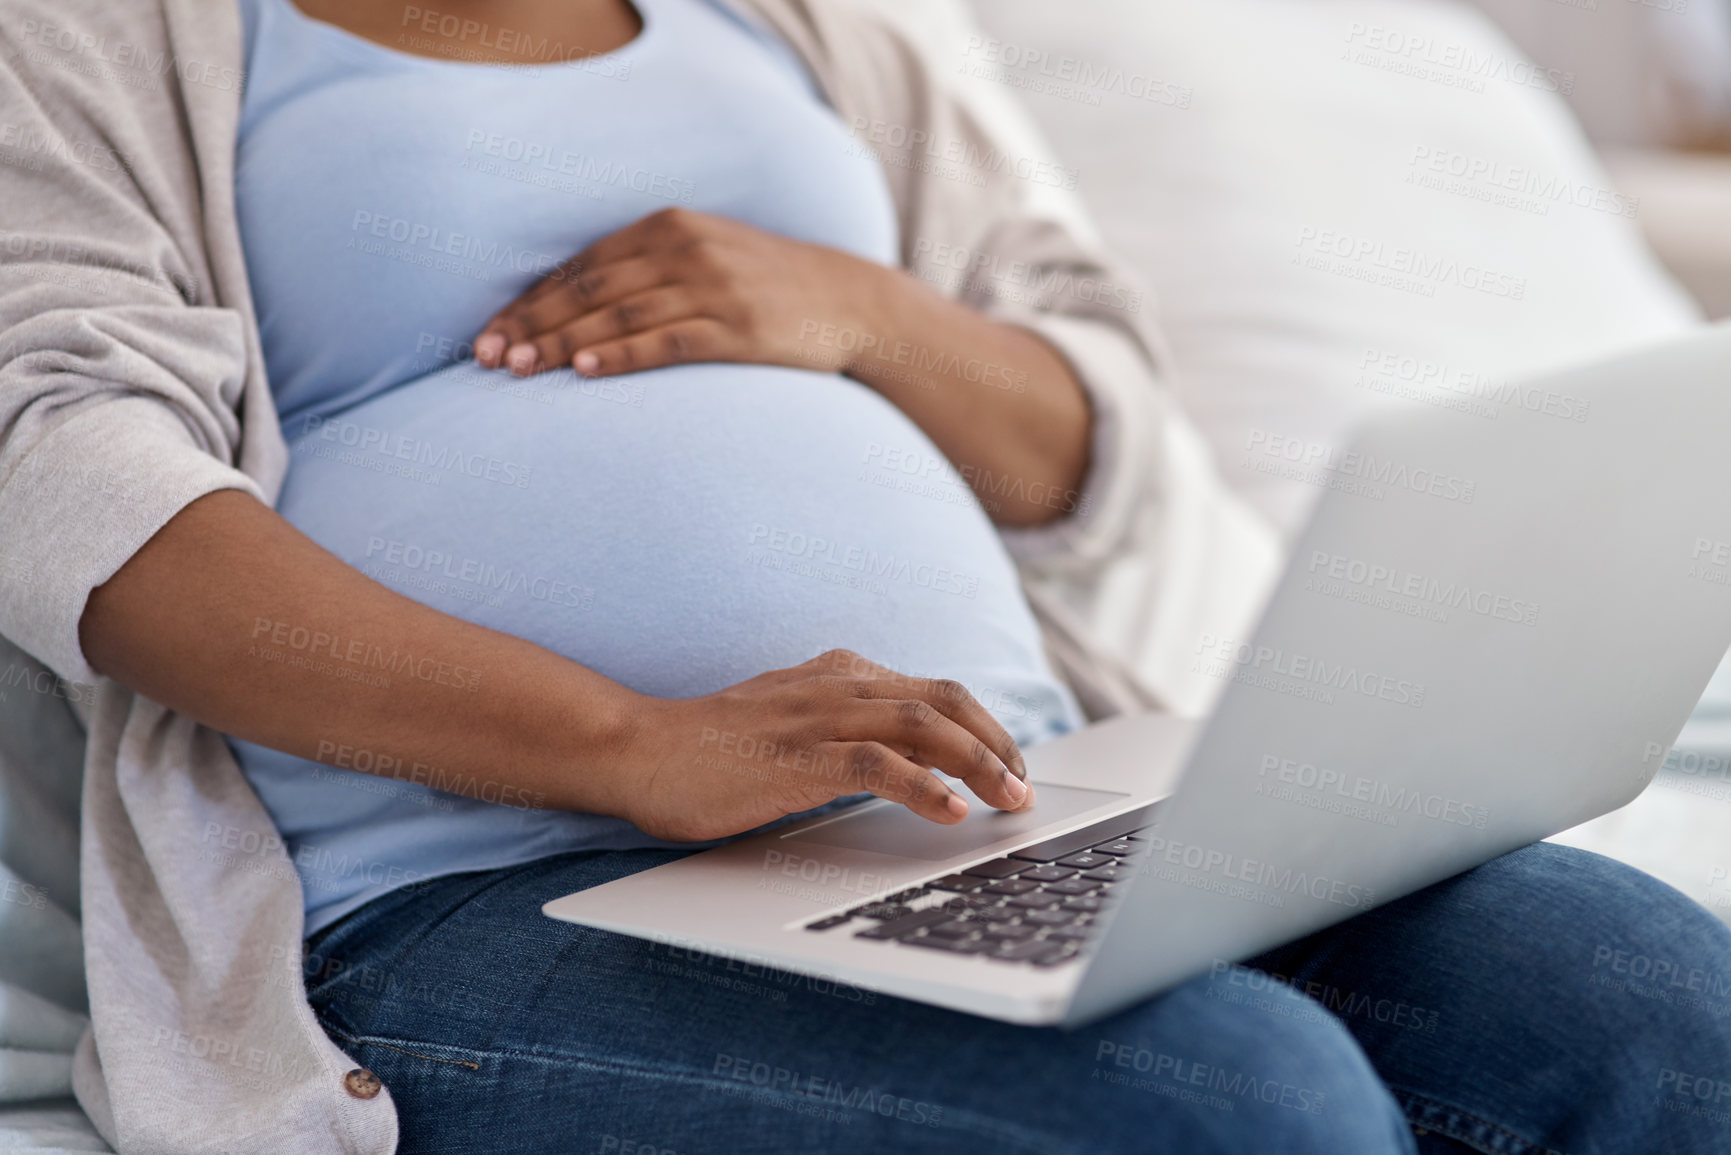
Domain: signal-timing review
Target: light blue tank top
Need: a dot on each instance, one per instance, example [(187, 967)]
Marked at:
[(677, 530)]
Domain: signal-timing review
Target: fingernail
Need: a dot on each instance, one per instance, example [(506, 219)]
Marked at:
[(488, 348), (957, 805), (1015, 788), (586, 362), (521, 358)]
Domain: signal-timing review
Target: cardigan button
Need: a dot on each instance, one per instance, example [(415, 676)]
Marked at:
[(361, 1083)]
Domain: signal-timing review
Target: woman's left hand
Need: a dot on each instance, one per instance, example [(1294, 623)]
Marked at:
[(681, 286)]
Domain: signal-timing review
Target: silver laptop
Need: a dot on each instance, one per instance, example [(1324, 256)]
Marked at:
[(1491, 631)]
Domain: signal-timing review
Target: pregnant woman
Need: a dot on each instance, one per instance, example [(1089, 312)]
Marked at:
[(600, 377)]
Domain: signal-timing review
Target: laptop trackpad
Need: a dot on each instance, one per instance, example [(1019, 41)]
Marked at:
[(889, 828)]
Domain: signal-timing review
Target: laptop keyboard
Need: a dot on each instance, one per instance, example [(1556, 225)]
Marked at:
[(1038, 906)]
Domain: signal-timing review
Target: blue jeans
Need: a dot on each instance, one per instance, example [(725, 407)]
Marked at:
[(1550, 1000)]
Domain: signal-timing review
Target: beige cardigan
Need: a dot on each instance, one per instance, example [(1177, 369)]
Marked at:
[(131, 383)]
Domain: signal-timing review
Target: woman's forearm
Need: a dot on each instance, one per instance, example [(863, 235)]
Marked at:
[(996, 398), (232, 616)]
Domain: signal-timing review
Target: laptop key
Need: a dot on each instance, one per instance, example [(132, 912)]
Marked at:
[(1009, 886), (1050, 917), (1087, 860), (1047, 873), (1121, 848), (911, 892), (1072, 886), (1083, 902), (967, 902), (958, 883), (955, 928), (832, 921), (1106, 873), (1075, 932), (996, 868), (1010, 931), (896, 927), (1034, 950), (1065, 844), (1038, 900), (1062, 953), (880, 910), (954, 945)]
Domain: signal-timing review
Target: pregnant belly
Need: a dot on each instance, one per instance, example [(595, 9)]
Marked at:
[(677, 530)]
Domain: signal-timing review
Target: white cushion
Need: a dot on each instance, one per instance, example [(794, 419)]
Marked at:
[(1224, 146)]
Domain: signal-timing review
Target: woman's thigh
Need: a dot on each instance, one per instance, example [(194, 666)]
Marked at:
[(497, 1028), (1551, 999)]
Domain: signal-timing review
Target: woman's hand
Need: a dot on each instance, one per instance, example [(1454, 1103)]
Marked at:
[(790, 740), (681, 286)]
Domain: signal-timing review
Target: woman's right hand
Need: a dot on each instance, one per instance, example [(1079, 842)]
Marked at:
[(789, 740)]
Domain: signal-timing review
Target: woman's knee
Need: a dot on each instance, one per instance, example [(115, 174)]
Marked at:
[(1568, 905), (1607, 953), (1257, 1067)]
